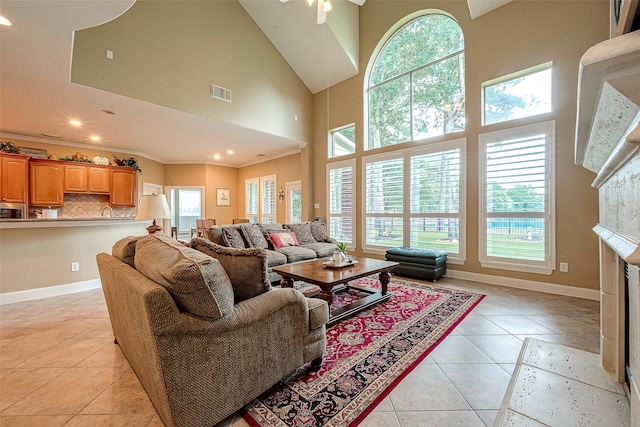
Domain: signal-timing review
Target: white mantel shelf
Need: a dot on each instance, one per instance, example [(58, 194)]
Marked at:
[(626, 247), (607, 125)]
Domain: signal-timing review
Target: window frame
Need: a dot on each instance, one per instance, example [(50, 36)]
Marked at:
[(406, 155), (513, 76), (331, 145), (368, 85), (259, 216), (342, 165), (548, 129)]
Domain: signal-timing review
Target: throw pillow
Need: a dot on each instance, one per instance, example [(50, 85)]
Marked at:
[(319, 231), (303, 232), (231, 237), (254, 236), (246, 268), (279, 240), (125, 250), (197, 283)]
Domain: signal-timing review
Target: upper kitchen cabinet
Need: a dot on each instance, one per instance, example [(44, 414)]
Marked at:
[(46, 178), (80, 178), (123, 186), (98, 178), (13, 178), (75, 178)]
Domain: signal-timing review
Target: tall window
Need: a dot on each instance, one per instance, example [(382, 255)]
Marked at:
[(416, 84), (517, 206), (260, 204), (340, 201), (342, 141), (415, 198)]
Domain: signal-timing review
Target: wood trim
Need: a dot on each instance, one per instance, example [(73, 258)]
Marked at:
[(628, 13)]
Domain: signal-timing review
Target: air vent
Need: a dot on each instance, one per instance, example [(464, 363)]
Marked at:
[(220, 93)]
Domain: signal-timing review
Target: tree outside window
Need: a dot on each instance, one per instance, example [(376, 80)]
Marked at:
[(416, 86)]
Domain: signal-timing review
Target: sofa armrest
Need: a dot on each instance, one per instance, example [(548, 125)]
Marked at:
[(318, 312), (247, 313), (331, 240)]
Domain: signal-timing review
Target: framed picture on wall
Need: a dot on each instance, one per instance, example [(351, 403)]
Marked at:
[(223, 197)]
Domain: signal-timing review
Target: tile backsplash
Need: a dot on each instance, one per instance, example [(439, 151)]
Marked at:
[(86, 206)]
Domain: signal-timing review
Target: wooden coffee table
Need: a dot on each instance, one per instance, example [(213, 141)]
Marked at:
[(332, 280)]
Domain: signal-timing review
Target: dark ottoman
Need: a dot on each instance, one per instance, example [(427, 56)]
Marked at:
[(425, 264)]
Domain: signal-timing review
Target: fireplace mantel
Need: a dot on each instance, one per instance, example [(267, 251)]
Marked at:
[(607, 126), (608, 144)]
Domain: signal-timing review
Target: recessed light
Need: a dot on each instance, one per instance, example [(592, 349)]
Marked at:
[(94, 138), (260, 155), (216, 156), (75, 122), (48, 135), (108, 112), (229, 151), (4, 21)]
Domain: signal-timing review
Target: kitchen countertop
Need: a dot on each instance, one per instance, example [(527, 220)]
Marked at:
[(65, 222)]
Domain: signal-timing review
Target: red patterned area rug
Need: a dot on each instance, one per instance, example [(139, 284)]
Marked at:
[(367, 355)]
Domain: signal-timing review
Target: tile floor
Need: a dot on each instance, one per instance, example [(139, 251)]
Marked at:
[(59, 366)]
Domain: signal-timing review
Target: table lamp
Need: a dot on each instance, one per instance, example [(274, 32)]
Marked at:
[(153, 206)]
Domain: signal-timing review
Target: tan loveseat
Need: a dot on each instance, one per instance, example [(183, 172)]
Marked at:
[(203, 342), (312, 238)]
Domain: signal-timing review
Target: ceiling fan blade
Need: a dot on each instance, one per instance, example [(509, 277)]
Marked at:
[(358, 2)]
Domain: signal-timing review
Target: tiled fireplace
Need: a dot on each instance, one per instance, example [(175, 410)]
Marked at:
[(608, 144)]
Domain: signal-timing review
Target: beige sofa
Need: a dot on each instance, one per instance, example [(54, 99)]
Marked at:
[(312, 238), (204, 341)]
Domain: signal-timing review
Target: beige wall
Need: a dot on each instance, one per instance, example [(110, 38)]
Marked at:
[(519, 35), (223, 45), (286, 169), (33, 258)]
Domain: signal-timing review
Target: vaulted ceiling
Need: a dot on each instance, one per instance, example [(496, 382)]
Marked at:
[(37, 97)]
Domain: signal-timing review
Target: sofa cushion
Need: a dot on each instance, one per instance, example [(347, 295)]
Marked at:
[(125, 250), (197, 282), (319, 231), (274, 258), (280, 240), (253, 235), (321, 249), (297, 253), (303, 232), (269, 228), (247, 268), (232, 237)]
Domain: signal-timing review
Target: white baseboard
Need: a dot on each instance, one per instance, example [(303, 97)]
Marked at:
[(49, 291), (531, 285)]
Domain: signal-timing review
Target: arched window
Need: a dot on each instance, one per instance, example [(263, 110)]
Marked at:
[(415, 88)]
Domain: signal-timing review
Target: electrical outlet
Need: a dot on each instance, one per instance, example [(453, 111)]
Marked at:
[(109, 54), (75, 266), (564, 267)]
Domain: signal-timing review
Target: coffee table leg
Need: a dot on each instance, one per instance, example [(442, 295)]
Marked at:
[(326, 295), (384, 281), (286, 282)]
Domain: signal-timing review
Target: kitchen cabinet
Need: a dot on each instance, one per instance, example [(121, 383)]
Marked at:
[(13, 178), (75, 178), (123, 186), (86, 179), (46, 178), (98, 179)]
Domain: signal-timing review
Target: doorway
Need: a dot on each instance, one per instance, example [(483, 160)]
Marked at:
[(186, 206), (294, 201)]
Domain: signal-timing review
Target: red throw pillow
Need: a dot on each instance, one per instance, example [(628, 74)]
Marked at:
[(280, 240)]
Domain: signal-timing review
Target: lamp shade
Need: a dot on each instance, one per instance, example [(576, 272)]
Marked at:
[(153, 206)]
